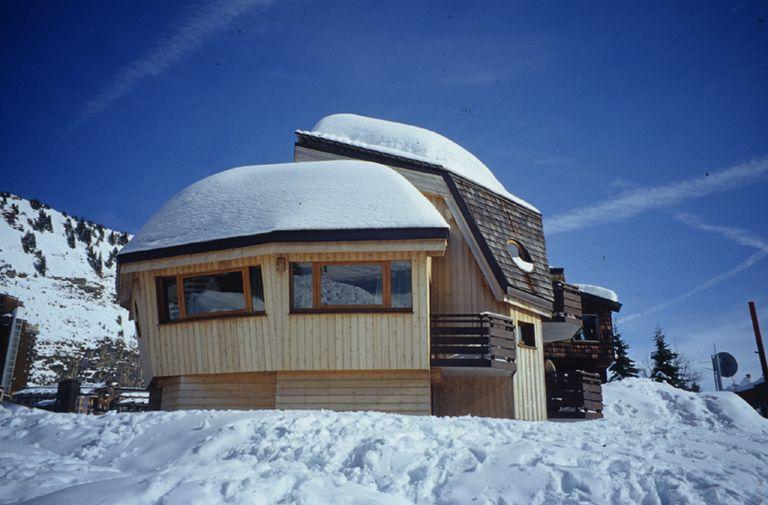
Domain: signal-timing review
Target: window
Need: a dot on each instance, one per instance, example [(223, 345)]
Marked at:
[(257, 289), (527, 333), (400, 280), (233, 292), (520, 256), (204, 294), (168, 297), (380, 285), (590, 328)]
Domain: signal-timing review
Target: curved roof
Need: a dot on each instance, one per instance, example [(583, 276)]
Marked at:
[(410, 142), (285, 202)]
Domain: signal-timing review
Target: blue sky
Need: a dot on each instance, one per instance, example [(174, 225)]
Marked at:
[(640, 131)]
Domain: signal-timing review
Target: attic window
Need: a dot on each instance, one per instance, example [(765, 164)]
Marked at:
[(520, 256)]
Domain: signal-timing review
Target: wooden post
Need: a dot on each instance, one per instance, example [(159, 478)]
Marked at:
[(760, 348)]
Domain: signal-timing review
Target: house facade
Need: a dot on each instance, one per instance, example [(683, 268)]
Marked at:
[(385, 269)]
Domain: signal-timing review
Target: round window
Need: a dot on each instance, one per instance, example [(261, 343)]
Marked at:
[(520, 256)]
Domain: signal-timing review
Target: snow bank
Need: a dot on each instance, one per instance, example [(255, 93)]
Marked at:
[(410, 142), (657, 445), (252, 200), (599, 292)]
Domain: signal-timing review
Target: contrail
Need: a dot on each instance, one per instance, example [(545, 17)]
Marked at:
[(641, 200), (195, 27), (738, 235)]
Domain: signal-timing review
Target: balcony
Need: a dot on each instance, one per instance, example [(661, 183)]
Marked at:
[(473, 341)]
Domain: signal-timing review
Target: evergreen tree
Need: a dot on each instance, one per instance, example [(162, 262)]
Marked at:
[(83, 232), (29, 242), (35, 204), (665, 367), (623, 366), (12, 214), (70, 233), (95, 260), (111, 258), (122, 239), (112, 238), (40, 264), (42, 222)]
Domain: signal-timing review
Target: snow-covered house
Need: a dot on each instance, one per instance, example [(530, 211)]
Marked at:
[(495, 265), (385, 269)]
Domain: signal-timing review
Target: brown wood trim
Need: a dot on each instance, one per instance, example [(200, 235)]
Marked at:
[(184, 317), (317, 307), (359, 309), (217, 315)]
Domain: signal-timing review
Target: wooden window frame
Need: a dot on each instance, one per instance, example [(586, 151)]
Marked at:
[(318, 308), (162, 303)]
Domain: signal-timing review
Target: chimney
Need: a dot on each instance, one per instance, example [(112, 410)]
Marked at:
[(557, 273)]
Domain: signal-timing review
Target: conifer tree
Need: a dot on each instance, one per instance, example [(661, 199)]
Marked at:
[(665, 367), (83, 232), (40, 264), (95, 260), (70, 233), (29, 242), (623, 366)]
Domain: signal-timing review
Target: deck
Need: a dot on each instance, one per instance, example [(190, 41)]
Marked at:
[(473, 340)]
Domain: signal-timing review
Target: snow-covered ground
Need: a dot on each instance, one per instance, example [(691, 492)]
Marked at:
[(656, 445)]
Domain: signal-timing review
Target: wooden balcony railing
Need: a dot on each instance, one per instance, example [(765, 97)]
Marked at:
[(575, 395), (473, 340)]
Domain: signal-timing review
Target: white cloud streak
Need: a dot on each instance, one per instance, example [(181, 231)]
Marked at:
[(640, 200), (195, 27), (738, 235)]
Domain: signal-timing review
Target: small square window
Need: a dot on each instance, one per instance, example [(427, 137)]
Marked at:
[(527, 334), (301, 283)]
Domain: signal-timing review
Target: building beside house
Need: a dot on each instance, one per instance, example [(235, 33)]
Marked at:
[(17, 337), (578, 347), (386, 268)]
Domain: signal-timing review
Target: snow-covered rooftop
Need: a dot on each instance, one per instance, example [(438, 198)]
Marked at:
[(254, 200), (410, 142), (599, 292)]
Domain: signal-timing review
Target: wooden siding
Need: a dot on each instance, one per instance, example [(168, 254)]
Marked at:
[(280, 340), (458, 286), (219, 391), (476, 395), (400, 391)]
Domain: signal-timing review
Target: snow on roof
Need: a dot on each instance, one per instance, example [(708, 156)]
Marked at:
[(599, 292), (410, 142), (253, 200)]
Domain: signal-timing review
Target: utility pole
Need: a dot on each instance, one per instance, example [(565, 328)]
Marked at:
[(716, 370), (760, 348)]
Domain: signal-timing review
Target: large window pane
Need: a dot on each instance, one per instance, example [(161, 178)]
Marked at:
[(214, 293), (301, 279), (351, 285), (257, 289), (401, 284), (169, 299)]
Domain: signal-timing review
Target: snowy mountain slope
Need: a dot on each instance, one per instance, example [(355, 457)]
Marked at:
[(656, 445), (72, 304)]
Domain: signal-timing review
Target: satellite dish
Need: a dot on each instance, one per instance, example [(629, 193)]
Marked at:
[(728, 364)]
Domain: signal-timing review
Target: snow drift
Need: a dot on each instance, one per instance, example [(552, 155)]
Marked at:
[(657, 445)]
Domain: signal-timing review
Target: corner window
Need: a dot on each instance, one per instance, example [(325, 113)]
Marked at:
[(527, 334), (351, 286), (590, 328), (520, 256), (230, 292)]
